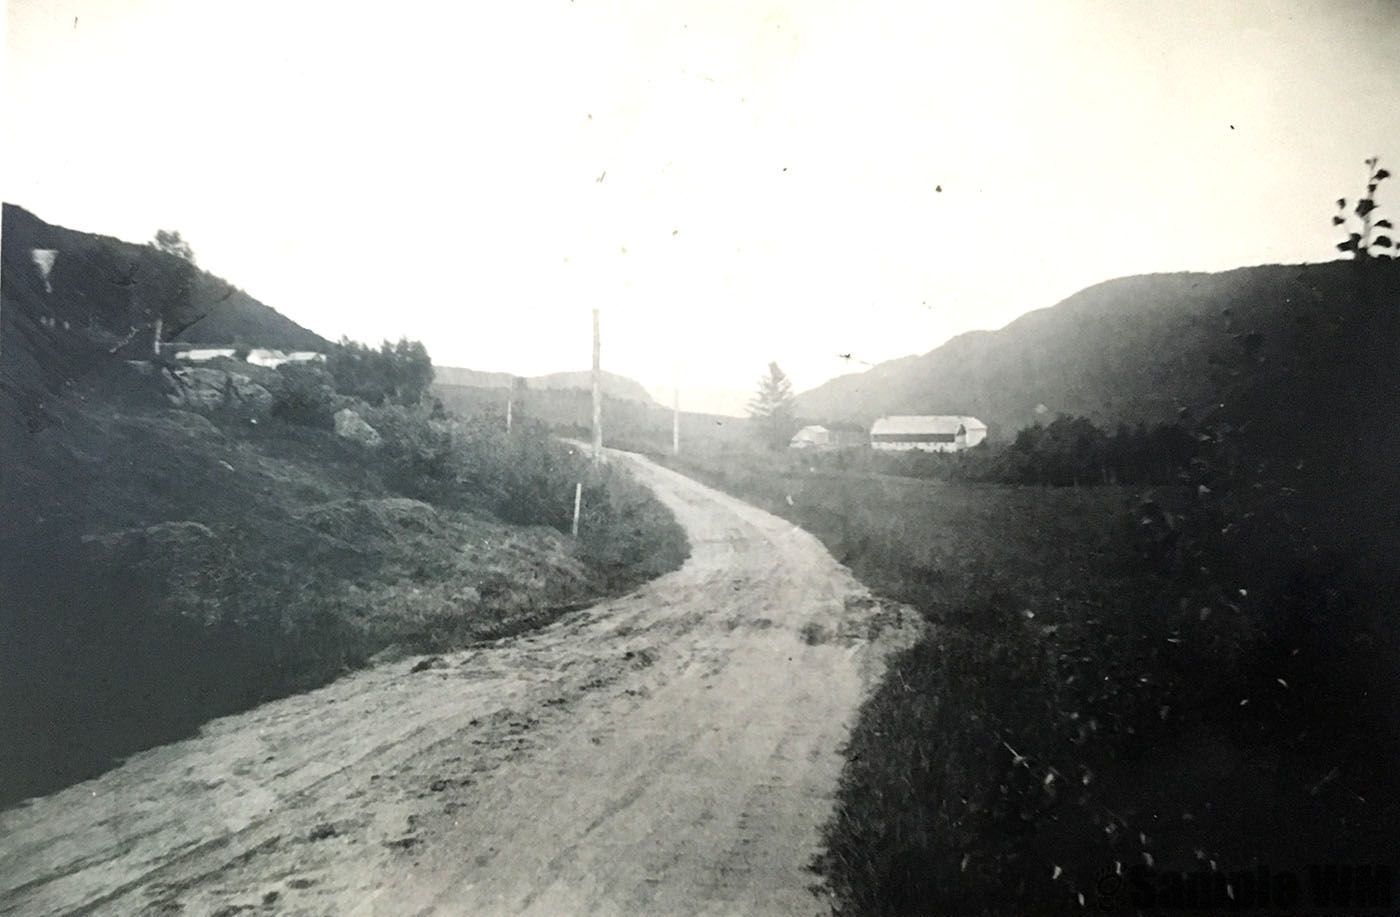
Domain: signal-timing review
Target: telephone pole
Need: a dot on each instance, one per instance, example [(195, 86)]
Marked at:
[(597, 394), (676, 412)]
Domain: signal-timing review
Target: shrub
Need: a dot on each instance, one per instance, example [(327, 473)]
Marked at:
[(306, 396), (527, 477), (394, 374), (416, 456), (625, 535)]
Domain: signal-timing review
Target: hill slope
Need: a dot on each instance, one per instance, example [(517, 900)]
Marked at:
[(97, 298), (98, 277), (1135, 349), (614, 386)]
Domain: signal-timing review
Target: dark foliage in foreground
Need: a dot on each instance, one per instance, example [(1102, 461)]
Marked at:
[(1090, 694)]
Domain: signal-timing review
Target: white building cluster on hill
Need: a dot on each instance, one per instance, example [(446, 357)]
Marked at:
[(257, 357), (899, 433)]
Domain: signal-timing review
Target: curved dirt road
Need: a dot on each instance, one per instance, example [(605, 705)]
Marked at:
[(671, 751)]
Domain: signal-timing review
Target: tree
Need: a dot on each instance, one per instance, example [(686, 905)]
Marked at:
[(772, 408), (166, 293), (1359, 240), (397, 373), (171, 242)]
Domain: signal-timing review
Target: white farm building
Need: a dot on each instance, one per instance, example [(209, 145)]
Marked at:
[(275, 358), (813, 437), (832, 436), (931, 433), (261, 357)]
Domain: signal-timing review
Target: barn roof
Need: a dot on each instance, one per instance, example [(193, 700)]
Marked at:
[(947, 424)]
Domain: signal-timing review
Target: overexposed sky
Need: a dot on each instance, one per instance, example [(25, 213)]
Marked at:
[(731, 182)]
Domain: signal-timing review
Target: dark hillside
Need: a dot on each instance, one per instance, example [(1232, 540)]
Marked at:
[(1131, 350), (241, 319), (98, 300)]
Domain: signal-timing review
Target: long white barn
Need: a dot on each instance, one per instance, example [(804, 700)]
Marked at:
[(930, 433)]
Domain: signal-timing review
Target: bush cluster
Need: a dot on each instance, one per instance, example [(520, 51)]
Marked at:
[(1072, 451), (393, 374), (525, 477), (306, 396), (528, 477)]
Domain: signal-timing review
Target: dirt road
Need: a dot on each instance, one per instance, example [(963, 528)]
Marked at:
[(671, 751)]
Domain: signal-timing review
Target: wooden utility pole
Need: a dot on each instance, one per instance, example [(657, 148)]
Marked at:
[(510, 404), (597, 394)]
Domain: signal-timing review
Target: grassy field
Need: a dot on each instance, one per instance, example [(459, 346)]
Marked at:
[(1079, 720)]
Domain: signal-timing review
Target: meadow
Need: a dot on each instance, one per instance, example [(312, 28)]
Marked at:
[(1090, 710)]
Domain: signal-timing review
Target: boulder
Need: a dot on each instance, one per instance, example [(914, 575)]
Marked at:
[(265, 376), (352, 426), (249, 398)]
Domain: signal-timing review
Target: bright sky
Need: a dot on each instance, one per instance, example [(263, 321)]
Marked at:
[(731, 182)]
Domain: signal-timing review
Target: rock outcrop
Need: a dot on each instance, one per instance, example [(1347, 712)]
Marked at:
[(215, 390), (352, 426)]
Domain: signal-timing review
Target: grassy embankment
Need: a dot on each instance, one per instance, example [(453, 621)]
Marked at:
[(1087, 700), (163, 567)]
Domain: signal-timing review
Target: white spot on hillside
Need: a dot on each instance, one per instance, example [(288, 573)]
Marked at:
[(44, 259)]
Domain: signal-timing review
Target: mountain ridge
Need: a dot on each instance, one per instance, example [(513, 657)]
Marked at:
[(1136, 349), (614, 385)]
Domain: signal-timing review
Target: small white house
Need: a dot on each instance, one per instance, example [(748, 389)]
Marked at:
[(837, 435), (813, 437), (930, 433), (203, 354)]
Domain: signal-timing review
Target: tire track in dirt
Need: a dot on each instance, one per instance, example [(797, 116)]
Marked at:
[(670, 751)]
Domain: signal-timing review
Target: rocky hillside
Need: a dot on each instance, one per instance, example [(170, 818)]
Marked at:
[(1135, 349), (70, 299)]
